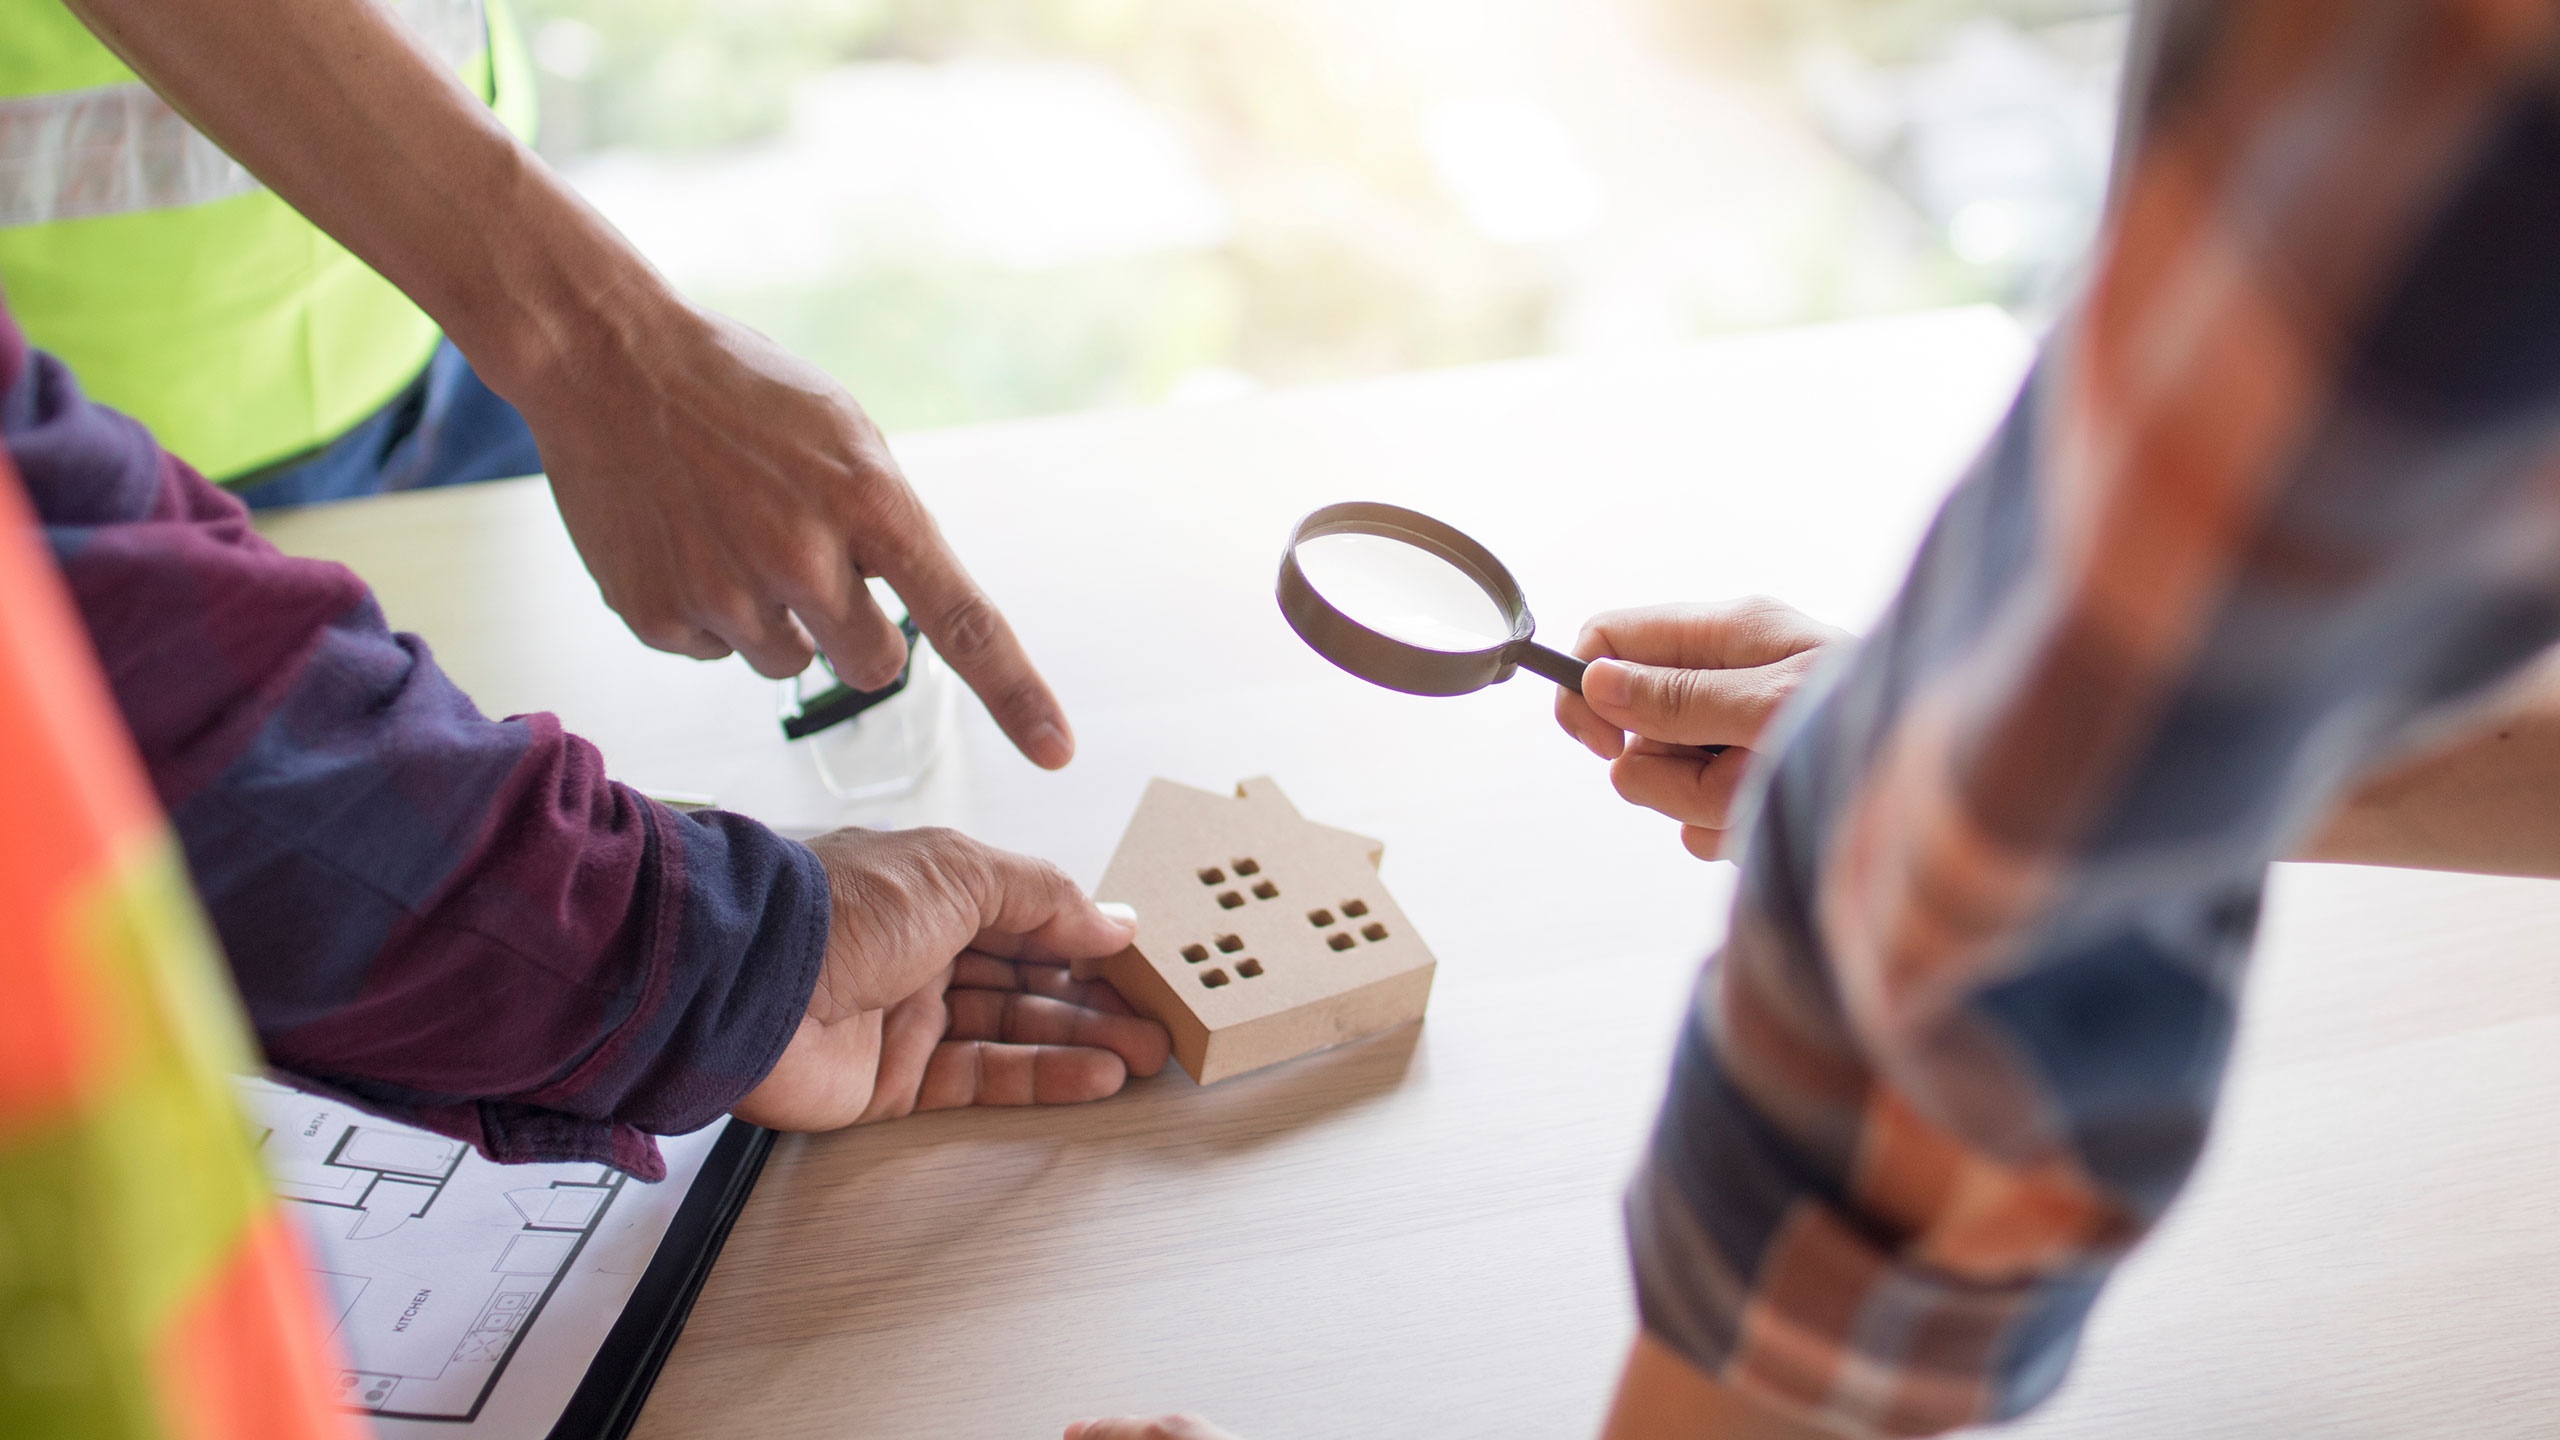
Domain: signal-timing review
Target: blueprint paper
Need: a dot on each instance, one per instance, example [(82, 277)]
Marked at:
[(466, 1298)]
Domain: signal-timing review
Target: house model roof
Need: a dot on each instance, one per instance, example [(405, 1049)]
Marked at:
[(1262, 935)]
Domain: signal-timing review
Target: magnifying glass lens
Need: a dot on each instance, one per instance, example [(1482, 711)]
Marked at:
[(1402, 600), (1403, 592)]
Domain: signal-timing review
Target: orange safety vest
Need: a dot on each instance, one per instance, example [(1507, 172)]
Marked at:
[(149, 1285)]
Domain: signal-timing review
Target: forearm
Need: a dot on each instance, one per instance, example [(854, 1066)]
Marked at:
[(452, 919), (1662, 1397), (346, 115), (462, 923), (2486, 799)]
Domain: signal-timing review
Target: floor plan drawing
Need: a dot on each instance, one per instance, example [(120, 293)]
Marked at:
[(434, 1262)]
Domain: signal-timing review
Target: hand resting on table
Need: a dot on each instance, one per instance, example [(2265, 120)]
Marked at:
[(945, 985)]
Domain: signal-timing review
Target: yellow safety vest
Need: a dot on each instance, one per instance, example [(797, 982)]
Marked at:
[(178, 288), (150, 1286)]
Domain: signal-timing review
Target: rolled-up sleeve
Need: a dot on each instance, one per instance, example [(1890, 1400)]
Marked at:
[(450, 919), (2281, 492)]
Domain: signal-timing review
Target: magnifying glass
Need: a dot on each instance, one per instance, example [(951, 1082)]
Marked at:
[(1401, 600)]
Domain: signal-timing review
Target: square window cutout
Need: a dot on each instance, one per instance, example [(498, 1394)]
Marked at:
[(1341, 941), (1230, 900), (1212, 875), (1249, 968), (1195, 953), (1267, 890), (1374, 931), (1213, 978)]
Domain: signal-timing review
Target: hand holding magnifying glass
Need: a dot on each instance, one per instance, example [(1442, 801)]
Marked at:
[(1404, 601)]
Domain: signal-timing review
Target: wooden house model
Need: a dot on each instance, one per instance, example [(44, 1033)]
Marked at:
[(1261, 934)]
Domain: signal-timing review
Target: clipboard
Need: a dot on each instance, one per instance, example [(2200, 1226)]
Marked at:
[(617, 1384), (468, 1300)]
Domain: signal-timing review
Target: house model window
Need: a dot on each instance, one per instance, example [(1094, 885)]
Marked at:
[(1261, 934)]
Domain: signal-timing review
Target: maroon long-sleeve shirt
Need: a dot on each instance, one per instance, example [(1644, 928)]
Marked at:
[(453, 920)]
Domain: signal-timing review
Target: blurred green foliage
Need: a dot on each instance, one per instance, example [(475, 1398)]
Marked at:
[(690, 74), (927, 346), (1347, 256), (1347, 259), (686, 74)]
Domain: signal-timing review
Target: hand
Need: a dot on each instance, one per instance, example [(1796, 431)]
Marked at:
[(942, 987), (725, 495), (1132, 1427), (1668, 681), (1662, 1396), (730, 496)]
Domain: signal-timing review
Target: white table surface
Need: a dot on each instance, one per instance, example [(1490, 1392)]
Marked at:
[(1418, 1235)]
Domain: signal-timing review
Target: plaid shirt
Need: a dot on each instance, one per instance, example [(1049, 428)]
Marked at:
[(2283, 491)]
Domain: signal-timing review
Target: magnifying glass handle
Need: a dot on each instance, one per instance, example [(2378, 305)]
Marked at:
[(1555, 665)]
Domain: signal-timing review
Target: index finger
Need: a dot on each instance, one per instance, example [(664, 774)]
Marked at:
[(1713, 635), (1015, 1018), (1029, 910), (972, 634)]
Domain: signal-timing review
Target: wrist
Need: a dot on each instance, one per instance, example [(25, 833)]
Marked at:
[(569, 311)]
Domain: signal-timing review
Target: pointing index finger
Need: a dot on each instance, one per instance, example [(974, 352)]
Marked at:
[(973, 635)]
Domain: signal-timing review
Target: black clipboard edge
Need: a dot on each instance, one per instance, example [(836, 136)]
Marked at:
[(617, 1383)]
